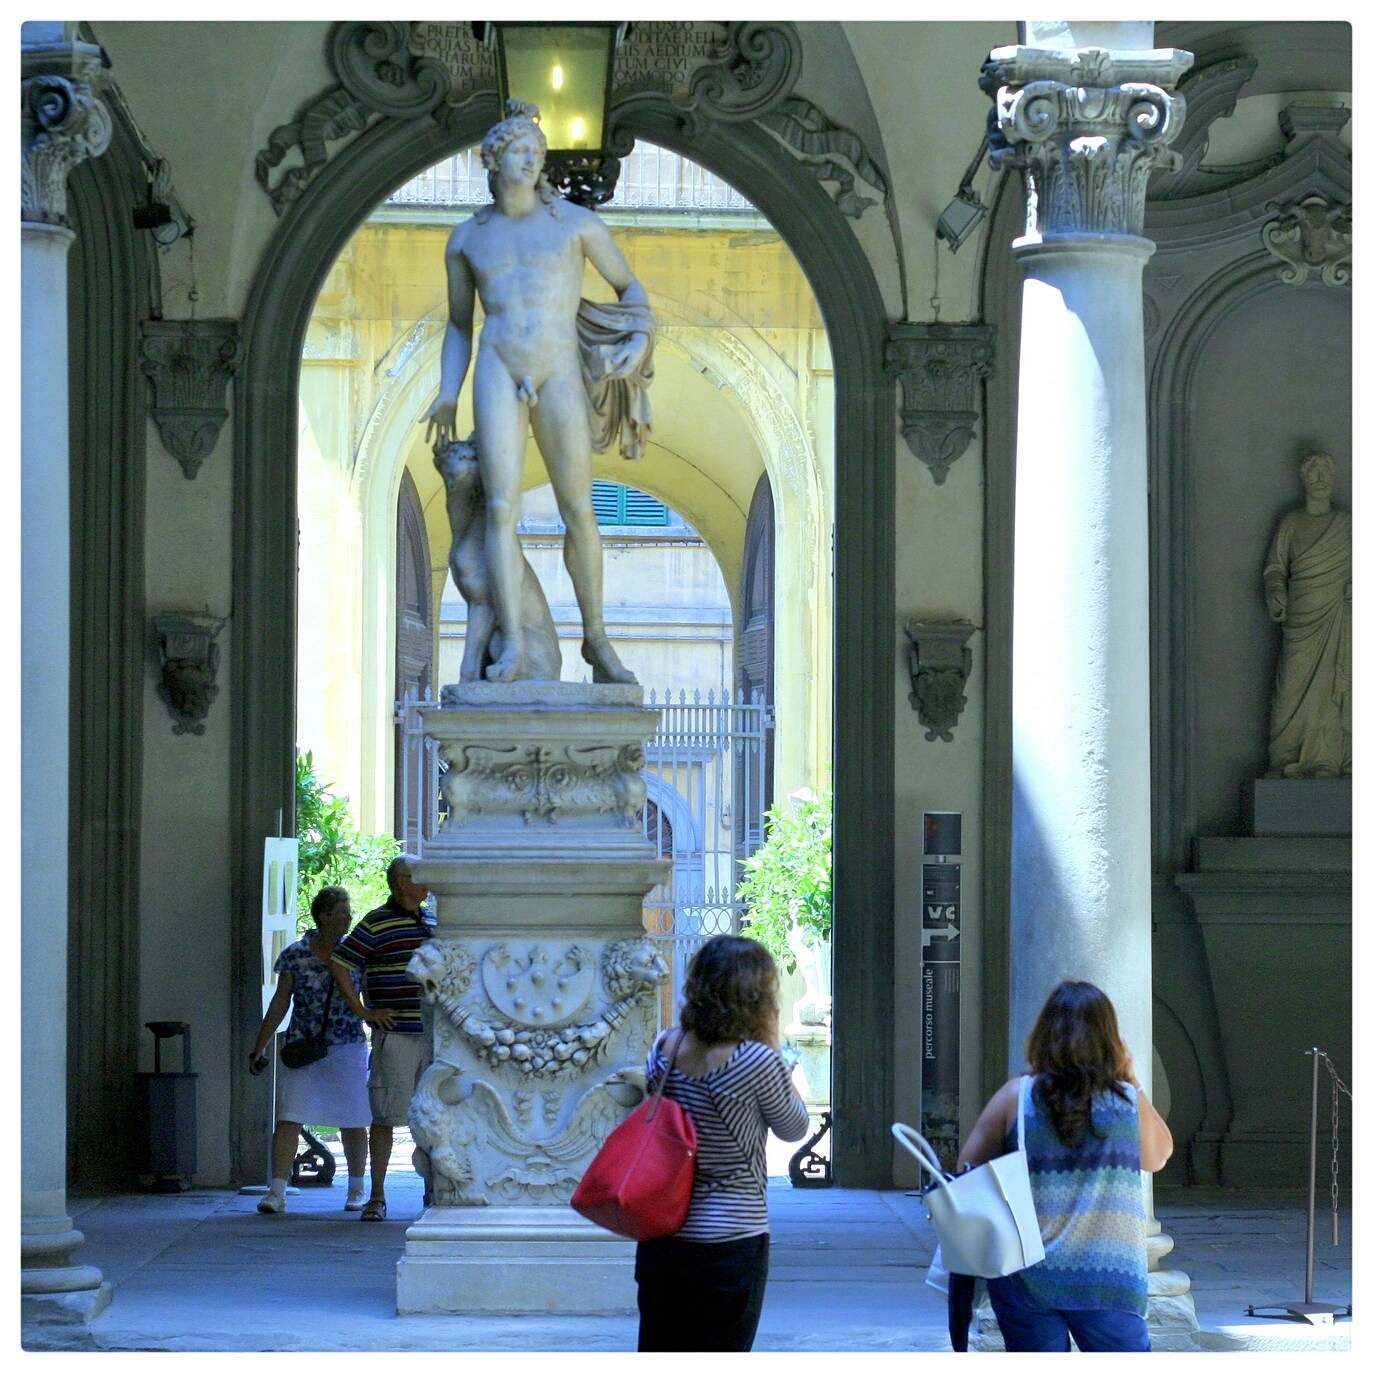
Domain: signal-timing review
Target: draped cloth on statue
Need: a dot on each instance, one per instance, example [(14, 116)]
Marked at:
[(1312, 693), (618, 405)]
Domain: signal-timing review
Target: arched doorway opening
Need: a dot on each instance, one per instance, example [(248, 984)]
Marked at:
[(742, 371), (311, 236)]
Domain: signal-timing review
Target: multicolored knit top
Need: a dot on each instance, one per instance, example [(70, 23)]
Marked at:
[(1090, 1203)]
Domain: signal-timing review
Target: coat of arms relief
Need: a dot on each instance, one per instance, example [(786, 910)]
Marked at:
[(538, 1054)]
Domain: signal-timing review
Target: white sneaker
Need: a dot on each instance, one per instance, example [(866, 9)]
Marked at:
[(272, 1205), (356, 1200)]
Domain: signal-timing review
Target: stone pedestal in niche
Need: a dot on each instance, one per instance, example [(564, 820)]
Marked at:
[(1275, 918), (1299, 806), (542, 989)]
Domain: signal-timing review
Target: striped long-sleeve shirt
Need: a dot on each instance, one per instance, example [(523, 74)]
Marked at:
[(733, 1108)]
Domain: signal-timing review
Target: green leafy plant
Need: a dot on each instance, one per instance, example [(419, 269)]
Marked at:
[(332, 850), (788, 879)]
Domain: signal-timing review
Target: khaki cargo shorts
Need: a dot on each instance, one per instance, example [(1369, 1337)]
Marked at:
[(393, 1071)]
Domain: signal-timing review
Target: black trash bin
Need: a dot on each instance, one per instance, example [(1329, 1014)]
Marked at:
[(167, 1102)]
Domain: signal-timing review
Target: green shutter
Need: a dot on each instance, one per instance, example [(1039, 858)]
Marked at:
[(616, 504)]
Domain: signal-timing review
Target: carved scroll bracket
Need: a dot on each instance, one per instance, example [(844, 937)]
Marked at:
[(940, 663), (941, 368), (189, 363), (189, 660), (1312, 236)]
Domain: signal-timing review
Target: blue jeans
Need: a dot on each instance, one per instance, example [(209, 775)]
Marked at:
[(1029, 1327)]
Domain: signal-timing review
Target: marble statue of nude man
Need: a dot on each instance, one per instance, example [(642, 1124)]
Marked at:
[(523, 259)]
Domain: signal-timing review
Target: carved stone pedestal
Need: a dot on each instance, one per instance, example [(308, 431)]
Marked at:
[(543, 992), (1275, 915), (512, 1260)]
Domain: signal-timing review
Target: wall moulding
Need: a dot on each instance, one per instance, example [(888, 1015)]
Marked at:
[(189, 363), (941, 368)]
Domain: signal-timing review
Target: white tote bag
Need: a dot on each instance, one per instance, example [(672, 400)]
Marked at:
[(985, 1218)]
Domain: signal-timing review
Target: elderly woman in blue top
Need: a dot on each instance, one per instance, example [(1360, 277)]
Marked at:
[(333, 1089), (702, 1288), (1089, 1131)]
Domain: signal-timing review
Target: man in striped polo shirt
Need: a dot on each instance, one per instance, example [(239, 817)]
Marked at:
[(380, 946)]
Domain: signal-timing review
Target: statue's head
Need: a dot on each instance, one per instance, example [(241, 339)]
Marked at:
[(1318, 475), (521, 121)]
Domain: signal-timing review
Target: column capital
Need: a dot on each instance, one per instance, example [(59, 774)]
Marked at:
[(1085, 126), (63, 122)]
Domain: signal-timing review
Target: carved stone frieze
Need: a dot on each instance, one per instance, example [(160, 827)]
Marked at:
[(189, 363), (543, 783), (705, 73), (940, 663), (62, 123), (1312, 235), (941, 368), (523, 1089), (1085, 128)]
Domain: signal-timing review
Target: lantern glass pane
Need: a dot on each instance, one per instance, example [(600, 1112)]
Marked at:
[(564, 70)]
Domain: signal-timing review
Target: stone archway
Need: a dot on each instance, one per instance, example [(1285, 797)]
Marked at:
[(313, 231)]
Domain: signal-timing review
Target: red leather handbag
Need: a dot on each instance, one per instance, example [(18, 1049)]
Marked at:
[(639, 1184)]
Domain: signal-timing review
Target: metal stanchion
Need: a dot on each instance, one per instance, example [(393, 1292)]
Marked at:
[(1310, 1310)]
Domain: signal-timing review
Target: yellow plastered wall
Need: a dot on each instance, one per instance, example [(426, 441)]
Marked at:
[(743, 385)]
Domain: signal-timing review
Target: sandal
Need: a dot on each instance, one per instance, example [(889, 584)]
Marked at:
[(374, 1210)]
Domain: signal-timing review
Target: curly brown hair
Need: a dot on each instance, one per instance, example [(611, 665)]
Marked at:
[(1076, 1052), (731, 992)]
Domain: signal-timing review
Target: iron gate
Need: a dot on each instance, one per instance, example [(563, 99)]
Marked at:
[(707, 791)]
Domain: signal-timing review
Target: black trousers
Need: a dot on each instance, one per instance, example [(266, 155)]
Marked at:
[(700, 1297)]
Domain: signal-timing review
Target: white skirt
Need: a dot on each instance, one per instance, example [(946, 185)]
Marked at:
[(330, 1091)]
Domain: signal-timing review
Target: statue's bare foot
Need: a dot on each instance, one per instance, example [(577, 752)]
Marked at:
[(606, 666), (509, 667)]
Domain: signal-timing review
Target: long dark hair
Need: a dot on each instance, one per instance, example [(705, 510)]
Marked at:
[(731, 992), (1076, 1052)]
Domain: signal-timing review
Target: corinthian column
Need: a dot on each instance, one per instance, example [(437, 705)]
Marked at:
[(62, 123), (1085, 112)]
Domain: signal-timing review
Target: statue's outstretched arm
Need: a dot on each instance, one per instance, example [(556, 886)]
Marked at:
[(442, 417)]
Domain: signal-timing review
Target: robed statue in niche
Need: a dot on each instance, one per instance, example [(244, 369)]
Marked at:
[(573, 371), (1308, 587)]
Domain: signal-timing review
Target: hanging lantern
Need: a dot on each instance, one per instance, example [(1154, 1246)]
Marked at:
[(566, 70)]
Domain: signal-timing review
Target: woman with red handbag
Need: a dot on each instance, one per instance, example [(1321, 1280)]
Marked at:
[(701, 1289)]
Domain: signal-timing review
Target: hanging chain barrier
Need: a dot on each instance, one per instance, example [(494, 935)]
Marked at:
[(1337, 1087), (1310, 1310)]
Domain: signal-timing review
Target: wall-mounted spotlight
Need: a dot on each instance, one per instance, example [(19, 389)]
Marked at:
[(965, 211), (160, 215)]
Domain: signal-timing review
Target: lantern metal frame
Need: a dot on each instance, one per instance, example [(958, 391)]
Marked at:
[(586, 176)]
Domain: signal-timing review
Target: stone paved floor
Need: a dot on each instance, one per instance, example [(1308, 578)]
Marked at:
[(202, 1271)]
